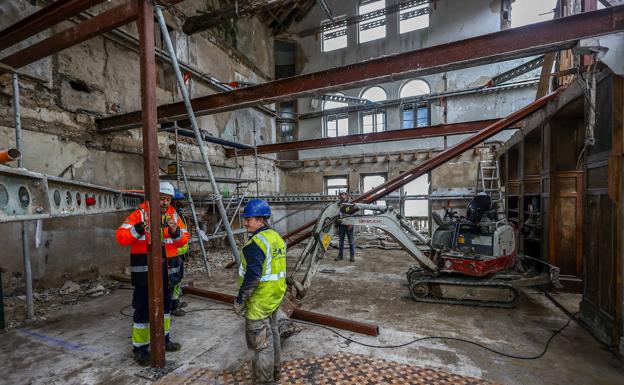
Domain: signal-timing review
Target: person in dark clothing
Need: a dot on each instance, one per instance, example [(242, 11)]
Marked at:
[(345, 230)]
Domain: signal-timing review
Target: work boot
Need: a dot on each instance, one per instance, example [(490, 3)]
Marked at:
[(171, 346), (178, 312), (338, 258), (141, 356), (183, 304), (352, 259)]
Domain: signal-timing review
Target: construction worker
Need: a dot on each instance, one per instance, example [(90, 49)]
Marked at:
[(173, 234), (345, 230), (176, 265), (262, 279)]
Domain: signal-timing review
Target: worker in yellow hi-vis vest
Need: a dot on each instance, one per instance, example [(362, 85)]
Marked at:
[(262, 279)]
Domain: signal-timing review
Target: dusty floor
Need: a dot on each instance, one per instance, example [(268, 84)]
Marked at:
[(89, 343)]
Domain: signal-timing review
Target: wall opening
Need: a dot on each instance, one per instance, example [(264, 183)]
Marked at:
[(372, 28)]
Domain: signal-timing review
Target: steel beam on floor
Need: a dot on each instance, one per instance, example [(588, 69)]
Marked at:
[(43, 19), (373, 137), (145, 24), (27, 195), (366, 328), (434, 162), (510, 44)]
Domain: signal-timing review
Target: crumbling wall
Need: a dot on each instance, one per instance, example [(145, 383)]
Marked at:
[(61, 96)]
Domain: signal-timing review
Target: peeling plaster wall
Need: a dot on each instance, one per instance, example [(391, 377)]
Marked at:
[(63, 95)]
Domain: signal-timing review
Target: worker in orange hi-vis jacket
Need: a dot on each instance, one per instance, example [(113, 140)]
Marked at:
[(173, 234)]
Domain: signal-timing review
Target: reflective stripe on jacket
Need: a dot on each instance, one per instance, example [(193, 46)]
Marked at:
[(184, 249), (127, 236), (267, 297)]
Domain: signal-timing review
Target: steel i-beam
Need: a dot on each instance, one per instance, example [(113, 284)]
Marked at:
[(510, 44), (434, 162), (43, 19), (27, 195)]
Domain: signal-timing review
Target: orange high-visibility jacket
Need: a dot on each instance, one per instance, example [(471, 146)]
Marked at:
[(127, 235)]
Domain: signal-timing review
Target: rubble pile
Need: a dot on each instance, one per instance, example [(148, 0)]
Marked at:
[(48, 300)]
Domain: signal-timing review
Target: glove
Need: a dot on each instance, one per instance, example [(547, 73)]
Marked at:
[(239, 308), (140, 228), (174, 232)]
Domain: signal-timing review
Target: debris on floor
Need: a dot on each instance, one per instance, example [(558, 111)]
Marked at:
[(47, 300), (368, 240), (331, 369)]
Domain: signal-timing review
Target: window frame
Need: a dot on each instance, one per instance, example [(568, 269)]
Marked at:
[(326, 185), (343, 26), (416, 7), (415, 107), (374, 113), (381, 19), (334, 117)]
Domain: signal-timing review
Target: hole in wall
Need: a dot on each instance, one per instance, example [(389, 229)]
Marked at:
[(79, 85), (57, 198), (24, 197)]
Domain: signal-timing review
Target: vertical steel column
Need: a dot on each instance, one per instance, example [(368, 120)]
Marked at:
[(256, 157), (19, 144), (145, 24), (198, 134)]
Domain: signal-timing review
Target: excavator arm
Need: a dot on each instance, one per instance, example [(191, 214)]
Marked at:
[(384, 218)]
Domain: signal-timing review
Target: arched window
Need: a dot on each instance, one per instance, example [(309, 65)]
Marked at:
[(374, 120), (414, 113), (335, 124)]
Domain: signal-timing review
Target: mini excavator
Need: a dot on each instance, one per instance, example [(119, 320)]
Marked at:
[(469, 260)]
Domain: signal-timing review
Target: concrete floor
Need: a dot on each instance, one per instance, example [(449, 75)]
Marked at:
[(90, 343)]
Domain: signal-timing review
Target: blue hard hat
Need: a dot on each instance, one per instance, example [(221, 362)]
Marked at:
[(178, 195), (256, 208)]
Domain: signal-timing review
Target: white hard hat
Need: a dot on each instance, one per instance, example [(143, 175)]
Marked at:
[(167, 188)]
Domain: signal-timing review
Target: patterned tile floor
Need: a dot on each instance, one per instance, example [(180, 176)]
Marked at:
[(331, 369)]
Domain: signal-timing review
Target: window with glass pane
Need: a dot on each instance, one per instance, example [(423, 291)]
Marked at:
[(375, 27), (414, 15), (336, 125), (334, 36), (373, 121), (415, 114), (418, 119), (335, 184)]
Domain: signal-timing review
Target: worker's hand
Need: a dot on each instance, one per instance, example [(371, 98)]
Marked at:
[(239, 308), (174, 230), (140, 228)]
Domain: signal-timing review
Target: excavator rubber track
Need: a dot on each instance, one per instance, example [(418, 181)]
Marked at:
[(454, 290)]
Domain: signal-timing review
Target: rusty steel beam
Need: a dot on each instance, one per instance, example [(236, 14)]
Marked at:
[(513, 43), (434, 162), (43, 19), (374, 137), (97, 25), (366, 328), (145, 24)]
